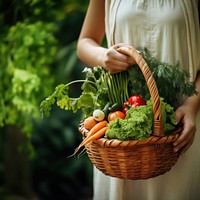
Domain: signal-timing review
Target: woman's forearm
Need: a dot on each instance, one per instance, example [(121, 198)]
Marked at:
[(89, 48), (90, 52)]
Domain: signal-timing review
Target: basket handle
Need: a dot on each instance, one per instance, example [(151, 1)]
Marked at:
[(157, 111)]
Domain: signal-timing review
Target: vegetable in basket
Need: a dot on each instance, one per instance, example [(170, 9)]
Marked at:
[(116, 114), (100, 90), (139, 122), (89, 122), (174, 91), (96, 132), (133, 101), (98, 115)]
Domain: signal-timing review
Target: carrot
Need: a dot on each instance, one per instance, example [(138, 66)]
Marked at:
[(95, 133), (97, 127), (93, 137)]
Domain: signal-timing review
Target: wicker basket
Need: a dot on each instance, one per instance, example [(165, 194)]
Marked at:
[(136, 159)]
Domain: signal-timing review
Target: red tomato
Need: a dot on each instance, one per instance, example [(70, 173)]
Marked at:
[(136, 101), (125, 108), (133, 101), (116, 114)]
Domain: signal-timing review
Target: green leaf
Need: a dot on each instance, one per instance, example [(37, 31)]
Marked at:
[(173, 83)]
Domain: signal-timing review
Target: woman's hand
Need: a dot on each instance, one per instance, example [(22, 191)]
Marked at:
[(188, 117), (116, 62)]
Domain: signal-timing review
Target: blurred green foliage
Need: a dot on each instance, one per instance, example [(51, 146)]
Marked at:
[(26, 55), (37, 52)]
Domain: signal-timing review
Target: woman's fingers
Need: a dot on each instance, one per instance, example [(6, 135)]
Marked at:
[(187, 146), (115, 61), (186, 138)]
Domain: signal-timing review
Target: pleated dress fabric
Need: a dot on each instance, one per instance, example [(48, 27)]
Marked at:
[(169, 29)]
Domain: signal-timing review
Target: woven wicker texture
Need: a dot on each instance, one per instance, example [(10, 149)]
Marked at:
[(136, 159)]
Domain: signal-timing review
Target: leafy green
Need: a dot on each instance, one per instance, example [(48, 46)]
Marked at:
[(138, 123), (172, 82), (168, 117), (98, 88), (92, 90)]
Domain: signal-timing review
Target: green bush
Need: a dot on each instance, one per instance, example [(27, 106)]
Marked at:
[(38, 51)]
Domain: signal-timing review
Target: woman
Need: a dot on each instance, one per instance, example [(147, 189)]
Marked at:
[(169, 29)]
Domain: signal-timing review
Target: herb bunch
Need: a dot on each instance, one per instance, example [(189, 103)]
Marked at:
[(98, 88), (94, 94), (172, 82)]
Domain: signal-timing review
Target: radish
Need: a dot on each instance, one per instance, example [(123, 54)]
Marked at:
[(98, 115)]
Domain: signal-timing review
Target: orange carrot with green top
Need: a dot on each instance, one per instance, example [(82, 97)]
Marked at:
[(95, 133)]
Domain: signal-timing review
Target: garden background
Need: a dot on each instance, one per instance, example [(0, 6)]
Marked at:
[(37, 52)]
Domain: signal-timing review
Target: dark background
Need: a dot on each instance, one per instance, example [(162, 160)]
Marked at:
[(34, 163)]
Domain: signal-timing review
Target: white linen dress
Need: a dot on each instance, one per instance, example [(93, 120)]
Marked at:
[(170, 31)]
